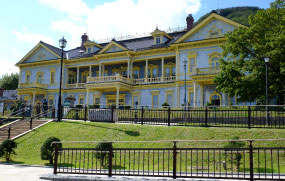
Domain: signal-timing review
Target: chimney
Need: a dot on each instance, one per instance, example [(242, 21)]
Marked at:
[(190, 22), (84, 38)]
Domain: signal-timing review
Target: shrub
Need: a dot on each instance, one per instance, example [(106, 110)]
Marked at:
[(7, 148), (235, 157), (47, 149), (79, 106), (94, 106), (103, 157), (127, 107), (165, 105)]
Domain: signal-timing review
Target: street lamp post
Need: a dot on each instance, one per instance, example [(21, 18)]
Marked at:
[(62, 44), (185, 64), (266, 60)]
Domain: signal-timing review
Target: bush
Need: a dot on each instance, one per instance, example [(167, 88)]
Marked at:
[(79, 106), (94, 106), (127, 107), (103, 157), (235, 157), (7, 148), (47, 149), (165, 105)]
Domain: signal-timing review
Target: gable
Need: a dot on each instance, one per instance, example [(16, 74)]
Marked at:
[(39, 55), (114, 48), (213, 29), (213, 26)]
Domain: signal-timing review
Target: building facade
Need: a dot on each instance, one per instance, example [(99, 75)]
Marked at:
[(148, 71)]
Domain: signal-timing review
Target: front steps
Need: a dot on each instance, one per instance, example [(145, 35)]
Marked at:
[(19, 127)]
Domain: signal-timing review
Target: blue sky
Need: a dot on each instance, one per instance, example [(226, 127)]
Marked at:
[(25, 23)]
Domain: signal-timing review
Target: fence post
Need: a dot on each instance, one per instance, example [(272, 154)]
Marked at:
[(9, 132), (174, 160), (251, 161), (85, 113), (248, 116), (31, 122), (142, 116), (168, 116), (112, 114), (55, 159), (110, 160), (206, 116)]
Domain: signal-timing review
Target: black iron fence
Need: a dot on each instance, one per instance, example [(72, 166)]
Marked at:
[(244, 117), (249, 163)]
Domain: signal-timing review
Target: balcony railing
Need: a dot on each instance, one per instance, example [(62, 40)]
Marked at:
[(206, 71), (33, 85), (119, 78)]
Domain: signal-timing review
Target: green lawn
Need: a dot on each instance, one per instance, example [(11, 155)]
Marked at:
[(28, 151)]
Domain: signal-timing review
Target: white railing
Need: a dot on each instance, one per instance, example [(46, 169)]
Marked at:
[(76, 85), (169, 79), (119, 78)]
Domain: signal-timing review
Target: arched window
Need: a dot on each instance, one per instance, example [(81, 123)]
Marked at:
[(40, 77), (214, 58), (215, 99)]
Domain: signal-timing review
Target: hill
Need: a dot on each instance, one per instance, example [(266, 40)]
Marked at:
[(237, 14)]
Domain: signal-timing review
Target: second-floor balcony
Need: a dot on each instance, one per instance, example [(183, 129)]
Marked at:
[(119, 78), (33, 85)]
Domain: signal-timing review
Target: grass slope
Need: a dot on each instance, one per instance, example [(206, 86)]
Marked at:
[(28, 151)]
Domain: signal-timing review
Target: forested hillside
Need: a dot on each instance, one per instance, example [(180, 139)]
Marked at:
[(238, 14)]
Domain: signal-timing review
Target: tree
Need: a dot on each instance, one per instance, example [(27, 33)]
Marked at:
[(47, 149), (9, 82), (242, 66), (7, 148)]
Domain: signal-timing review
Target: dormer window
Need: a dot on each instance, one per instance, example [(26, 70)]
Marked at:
[(157, 40), (89, 50)]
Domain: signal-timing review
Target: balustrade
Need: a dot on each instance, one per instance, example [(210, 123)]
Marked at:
[(33, 84)]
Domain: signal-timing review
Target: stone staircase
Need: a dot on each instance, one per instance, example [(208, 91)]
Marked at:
[(19, 127)]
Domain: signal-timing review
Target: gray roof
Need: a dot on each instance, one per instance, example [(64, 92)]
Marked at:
[(136, 44)]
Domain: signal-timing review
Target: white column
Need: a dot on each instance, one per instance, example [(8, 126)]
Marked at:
[(100, 70), (195, 93), (90, 71), (103, 70), (77, 77), (146, 70), (162, 69), (201, 94), (177, 64), (177, 95), (87, 97), (117, 97), (132, 66), (223, 101), (34, 98), (128, 76)]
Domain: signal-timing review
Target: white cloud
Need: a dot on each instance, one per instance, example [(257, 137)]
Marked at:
[(32, 38), (7, 67), (120, 17)]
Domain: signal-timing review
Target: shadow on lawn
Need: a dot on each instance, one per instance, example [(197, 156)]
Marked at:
[(131, 133)]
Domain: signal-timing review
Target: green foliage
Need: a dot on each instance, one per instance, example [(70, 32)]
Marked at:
[(9, 82), (236, 156), (94, 106), (238, 14), (243, 67), (103, 156), (79, 106), (17, 105), (47, 149), (7, 148), (165, 105)]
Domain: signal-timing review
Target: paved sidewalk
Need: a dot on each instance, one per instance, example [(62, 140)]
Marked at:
[(15, 172)]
